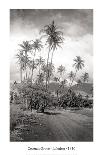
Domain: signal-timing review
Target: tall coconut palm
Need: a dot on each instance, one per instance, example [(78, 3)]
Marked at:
[(54, 39), (61, 70), (85, 77), (26, 48), (20, 58), (40, 61), (79, 64)]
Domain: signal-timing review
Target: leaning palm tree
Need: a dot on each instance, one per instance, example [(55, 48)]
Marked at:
[(26, 48), (61, 70), (20, 58), (54, 39), (85, 77), (79, 64)]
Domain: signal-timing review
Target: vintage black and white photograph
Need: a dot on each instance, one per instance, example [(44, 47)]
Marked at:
[(51, 75)]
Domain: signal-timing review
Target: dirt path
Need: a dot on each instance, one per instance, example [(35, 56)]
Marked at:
[(59, 126), (69, 126)]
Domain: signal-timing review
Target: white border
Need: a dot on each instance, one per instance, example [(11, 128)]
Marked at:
[(82, 148)]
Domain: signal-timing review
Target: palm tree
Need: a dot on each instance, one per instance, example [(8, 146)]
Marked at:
[(61, 70), (92, 91), (79, 64), (87, 97), (37, 45), (26, 48), (71, 76), (85, 77), (56, 79), (32, 66), (54, 39), (48, 71), (63, 83), (40, 78), (20, 58), (79, 82), (40, 61)]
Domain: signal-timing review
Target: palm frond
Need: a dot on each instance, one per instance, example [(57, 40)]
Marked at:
[(53, 34)]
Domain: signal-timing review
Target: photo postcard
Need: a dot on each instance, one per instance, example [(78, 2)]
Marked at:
[(51, 75)]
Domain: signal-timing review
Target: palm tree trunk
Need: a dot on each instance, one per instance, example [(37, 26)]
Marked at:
[(21, 74), (47, 70), (48, 79), (73, 78), (26, 74), (39, 69), (57, 93), (32, 75), (52, 56), (40, 64), (26, 63)]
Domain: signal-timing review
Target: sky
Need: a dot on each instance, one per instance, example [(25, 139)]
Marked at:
[(77, 28)]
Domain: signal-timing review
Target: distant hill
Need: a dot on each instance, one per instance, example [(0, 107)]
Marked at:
[(54, 86), (84, 87)]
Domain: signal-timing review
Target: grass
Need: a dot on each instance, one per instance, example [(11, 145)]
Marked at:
[(27, 126)]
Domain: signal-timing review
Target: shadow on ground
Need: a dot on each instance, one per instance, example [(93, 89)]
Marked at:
[(51, 113)]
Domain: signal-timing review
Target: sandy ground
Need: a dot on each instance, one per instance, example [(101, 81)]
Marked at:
[(56, 125)]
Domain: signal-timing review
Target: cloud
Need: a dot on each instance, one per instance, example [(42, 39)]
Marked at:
[(76, 24), (71, 20)]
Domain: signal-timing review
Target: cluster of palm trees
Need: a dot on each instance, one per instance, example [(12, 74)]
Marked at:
[(78, 64), (28, 62), (54, 38), (26, 48)]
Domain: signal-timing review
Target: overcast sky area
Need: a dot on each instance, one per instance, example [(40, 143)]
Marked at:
[(76, 25)]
